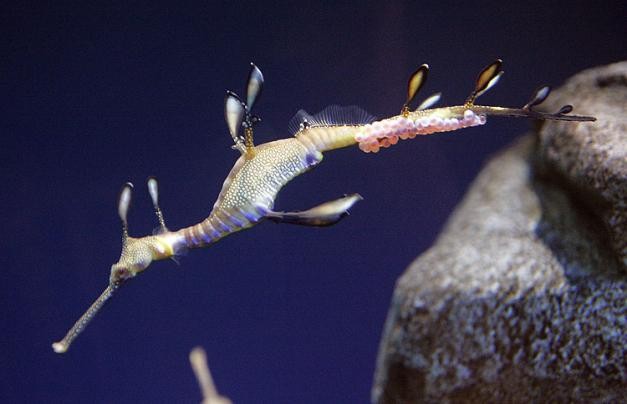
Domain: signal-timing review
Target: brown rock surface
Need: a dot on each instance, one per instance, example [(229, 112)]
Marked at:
[(592, 159), (523, 296)]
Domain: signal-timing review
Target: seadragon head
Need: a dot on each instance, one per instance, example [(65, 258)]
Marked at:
[(137, 254)]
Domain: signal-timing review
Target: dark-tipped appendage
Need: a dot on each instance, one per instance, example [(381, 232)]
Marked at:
[(234, 112), (486, 79), (415, 83), (254, 86), (539, 95)]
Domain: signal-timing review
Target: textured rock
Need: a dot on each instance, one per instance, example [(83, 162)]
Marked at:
[(592, 159), (518, 300), (523, 296)]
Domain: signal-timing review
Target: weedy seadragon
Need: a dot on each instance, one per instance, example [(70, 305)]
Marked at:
[(249, 191)]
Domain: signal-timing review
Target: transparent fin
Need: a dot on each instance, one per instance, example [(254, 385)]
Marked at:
[(332, 115), (157, 230), (415, 83), (176, 260), (326, 214), (255, 85), (429, 102)]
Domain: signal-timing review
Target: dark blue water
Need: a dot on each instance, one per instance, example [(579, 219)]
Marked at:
[(93, 95)]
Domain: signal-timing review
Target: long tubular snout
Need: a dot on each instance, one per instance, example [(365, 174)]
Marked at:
[(81, 323)]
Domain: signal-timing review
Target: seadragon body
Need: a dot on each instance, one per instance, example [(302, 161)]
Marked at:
[(249, 191)]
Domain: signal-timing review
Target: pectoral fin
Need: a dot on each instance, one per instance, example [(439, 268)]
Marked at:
[(326, 214)]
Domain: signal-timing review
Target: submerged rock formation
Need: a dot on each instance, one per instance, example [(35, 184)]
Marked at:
[(524, 295)]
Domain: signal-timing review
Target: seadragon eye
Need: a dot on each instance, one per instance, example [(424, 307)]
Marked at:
[(119, 274)]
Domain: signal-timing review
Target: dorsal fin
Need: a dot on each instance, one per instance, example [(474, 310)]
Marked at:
[(333, 115)]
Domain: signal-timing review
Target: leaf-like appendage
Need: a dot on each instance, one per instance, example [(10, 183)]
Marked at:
[(255, 84), (416, 81), (234, 112)]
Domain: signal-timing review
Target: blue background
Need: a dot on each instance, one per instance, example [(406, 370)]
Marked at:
[(94, 94)]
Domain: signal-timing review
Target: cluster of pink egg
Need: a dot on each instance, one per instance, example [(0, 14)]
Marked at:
[(387, 132)]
